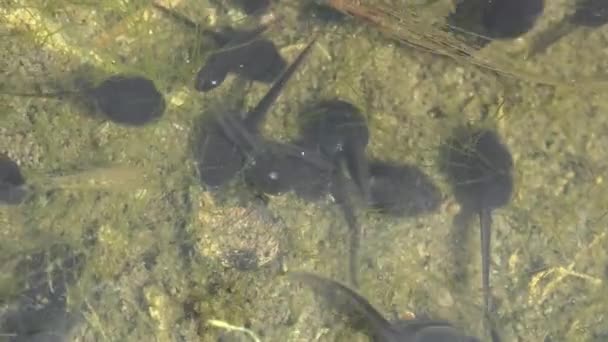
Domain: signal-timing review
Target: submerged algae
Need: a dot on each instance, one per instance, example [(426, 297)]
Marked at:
[(149, 234)]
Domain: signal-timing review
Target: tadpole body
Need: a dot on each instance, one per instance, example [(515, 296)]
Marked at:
[(225, 142), (129, 100), (479, 167), (12, 182), (363, 316)]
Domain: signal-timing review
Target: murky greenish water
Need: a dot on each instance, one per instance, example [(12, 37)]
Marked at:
[(117, 240)]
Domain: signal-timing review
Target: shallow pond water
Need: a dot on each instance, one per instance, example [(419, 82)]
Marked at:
[(162, 257)]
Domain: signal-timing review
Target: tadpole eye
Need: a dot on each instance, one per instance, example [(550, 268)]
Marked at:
[(273, 175)]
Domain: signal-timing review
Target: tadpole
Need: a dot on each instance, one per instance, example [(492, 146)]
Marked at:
[(225, 142), (363, 316), (479, 167), (123, 99)]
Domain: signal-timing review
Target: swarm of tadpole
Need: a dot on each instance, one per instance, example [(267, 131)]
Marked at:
[(329, 154)]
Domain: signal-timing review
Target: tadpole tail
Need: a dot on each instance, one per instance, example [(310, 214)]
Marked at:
[(357, 162), (485, 222), (347, 302), (54, 95), (548, 38), (354, 229), (255, 116)]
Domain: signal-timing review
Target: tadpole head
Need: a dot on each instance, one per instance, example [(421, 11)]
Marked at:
[(129, 100), (12, 190), (211, 75), (479, 167)]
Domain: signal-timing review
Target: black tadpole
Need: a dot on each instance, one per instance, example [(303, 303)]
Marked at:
[(363, 316), (480, 170), (123, 99), (588, 13)]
